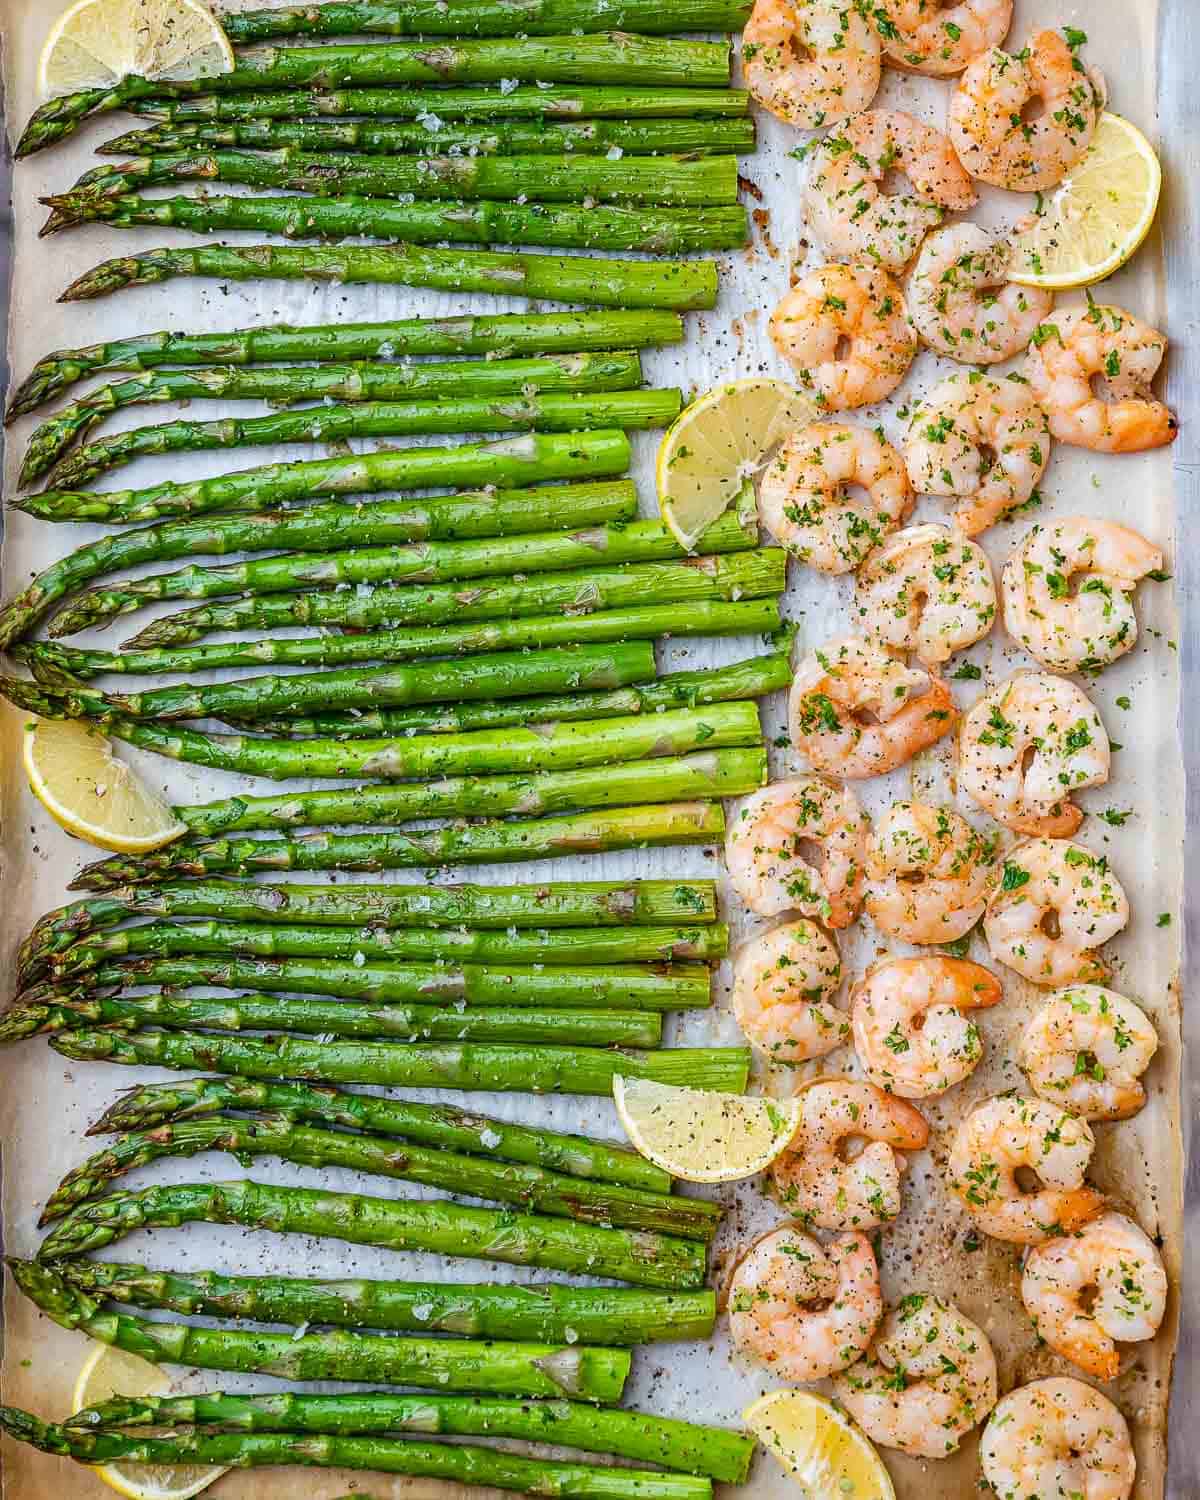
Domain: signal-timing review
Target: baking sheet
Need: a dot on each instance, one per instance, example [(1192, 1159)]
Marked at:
[(46, 1102)]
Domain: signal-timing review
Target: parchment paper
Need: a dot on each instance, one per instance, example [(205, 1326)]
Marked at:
[(46, 1102)]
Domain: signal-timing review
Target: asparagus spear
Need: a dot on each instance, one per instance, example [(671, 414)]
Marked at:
[(506, 464), (384, 907), (497, 1067), (467, 1464), (504, 335), (419, 221), (489, 18), (546, 1311), (665, 181), (644, 1257), (531, 1188), (514, 1369), (503, 138), (627, 1434), (476, 843), (280, 384), (680, 286)]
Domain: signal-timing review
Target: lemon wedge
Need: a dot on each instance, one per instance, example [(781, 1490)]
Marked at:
[(95, 43), (86, 790), (819, 1447), (699, 1135), (111, 1372), (716, 444), (1096, 218)]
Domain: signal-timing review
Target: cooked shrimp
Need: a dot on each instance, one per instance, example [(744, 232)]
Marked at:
[(984, 441), (811, 62), (1089, 1291), (846, 335), (1025, 746), (802, 1309), (928, 590), (928, 873), (1055, 905), (1068, 591), (1087, 1049), (814, 1178), (1002, 1136), (927, 1380), (832, 493), (848, 211), (1054, 1439), (962, 303), (783, 982), (1118, 352), (940, 37), (990, 121), (798, 846), (855, 711), (912, 1030)]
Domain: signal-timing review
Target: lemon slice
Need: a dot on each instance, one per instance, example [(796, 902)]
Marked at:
[(819, 1446), (699, 1135), (111, 1372), (1097, 217), (718, 442), (95, 43), (89, 792)]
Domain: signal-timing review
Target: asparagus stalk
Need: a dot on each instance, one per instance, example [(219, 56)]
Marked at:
[(435, 1125), (546, 1311), (680, 286), (420, 221), (627, 1434), (506, 464), (280, 384), (496, 841), (651, 903), (499, 1067), (503, 138), (467, 1464), (513, 1369), (666, 181), (644, 1257), (491, 18), (504, 335), (532, 1188)]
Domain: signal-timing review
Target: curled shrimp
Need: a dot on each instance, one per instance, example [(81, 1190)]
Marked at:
[(940, 38), (1002, 1136), (989, 119), (912, 1028), (832, 493), (928, 873), (1113, 349), (1055, 905), (981, 439), (845, 332), (1087, 1049), (783, 982), (855, 711), (802, 1309), (1068, 591), (962, 303), (813, 1177), (811, 62), (798, 845), (928, 590), (848, 211), (929, 1377), (1057, 1438), (1089, 1291), (1025, 746)]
